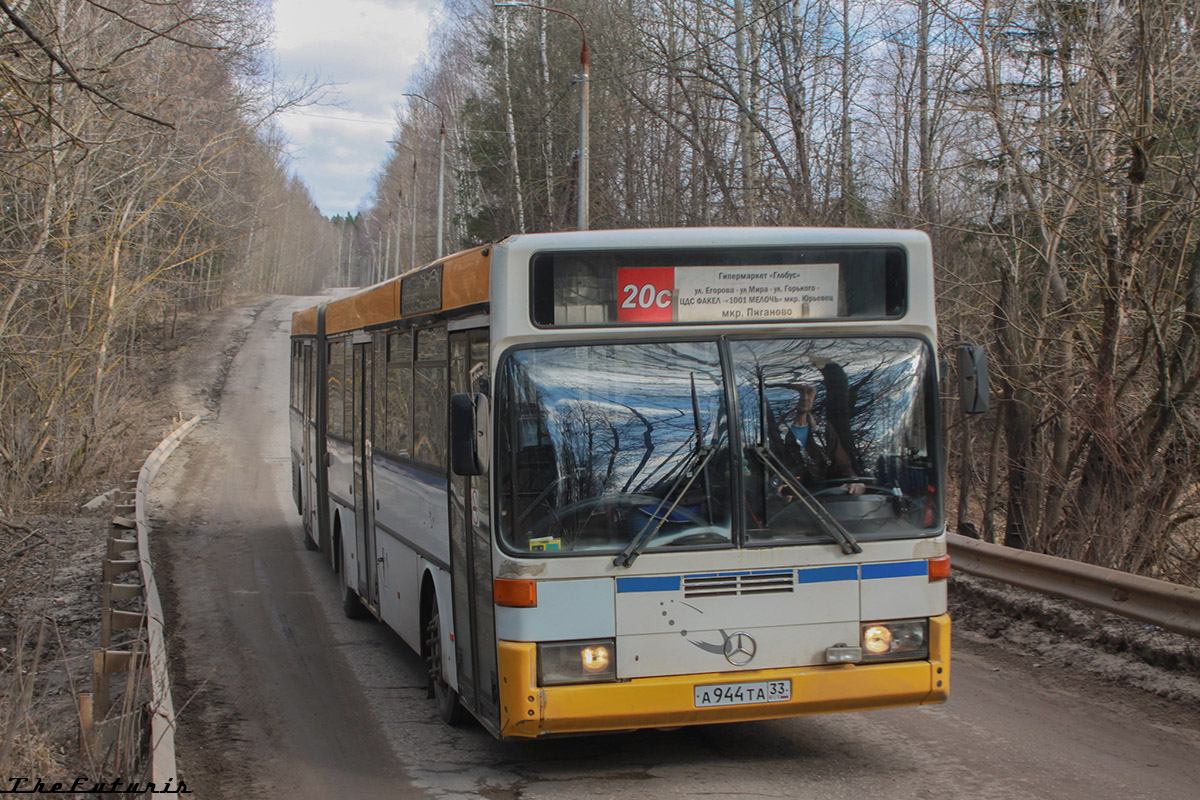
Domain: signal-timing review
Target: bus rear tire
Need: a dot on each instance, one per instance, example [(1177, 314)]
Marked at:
[(450, 710), (352, 604), (309, 542)]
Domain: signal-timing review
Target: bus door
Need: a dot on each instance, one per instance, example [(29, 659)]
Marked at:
[(307, 435), (471, 551), (320, 451), (364, 522)]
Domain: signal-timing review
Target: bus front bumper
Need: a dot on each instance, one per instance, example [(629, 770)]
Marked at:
[(528, 710)]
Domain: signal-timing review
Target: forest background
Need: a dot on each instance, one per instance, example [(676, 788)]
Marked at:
[(1050, 148)]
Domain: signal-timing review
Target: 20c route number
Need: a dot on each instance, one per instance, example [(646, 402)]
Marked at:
[(645, 296)]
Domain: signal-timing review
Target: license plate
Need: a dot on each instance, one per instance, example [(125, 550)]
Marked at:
[(737, 694)]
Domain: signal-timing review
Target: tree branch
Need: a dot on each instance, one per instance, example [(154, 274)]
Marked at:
[(23, 26), (157, 34)]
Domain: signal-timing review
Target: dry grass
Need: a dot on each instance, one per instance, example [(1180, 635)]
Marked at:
[(51, 552), (34, 659)]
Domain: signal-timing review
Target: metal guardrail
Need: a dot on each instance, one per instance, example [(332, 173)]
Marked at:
[(1169, 606), (125, 730)]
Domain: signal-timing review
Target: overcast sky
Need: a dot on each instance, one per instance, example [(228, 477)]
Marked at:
[(369, 48)]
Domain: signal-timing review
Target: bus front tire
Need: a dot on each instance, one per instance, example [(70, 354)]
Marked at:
[(449, 708)]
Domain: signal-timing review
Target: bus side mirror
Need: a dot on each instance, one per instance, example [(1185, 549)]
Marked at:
[(469, 428), (972, 378)]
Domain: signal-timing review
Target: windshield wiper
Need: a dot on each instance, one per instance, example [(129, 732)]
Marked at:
[(826, 521), (701, 455)]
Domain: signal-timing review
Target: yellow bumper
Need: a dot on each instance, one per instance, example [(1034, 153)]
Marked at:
[(528, 710)]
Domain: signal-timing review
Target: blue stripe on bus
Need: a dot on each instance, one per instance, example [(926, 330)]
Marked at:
[(827, 574), (666, 583), (903, 569), (849, 572)]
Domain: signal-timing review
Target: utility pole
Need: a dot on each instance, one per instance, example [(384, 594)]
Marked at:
[(399, 205), (441, 168), (412, 256)]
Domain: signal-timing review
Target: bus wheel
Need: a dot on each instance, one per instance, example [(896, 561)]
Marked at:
[(352, 605), (309, 544), (335, 553), (449, 708), (297, 492)]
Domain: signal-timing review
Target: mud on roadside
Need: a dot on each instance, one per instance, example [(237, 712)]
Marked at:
[(1070, 638)]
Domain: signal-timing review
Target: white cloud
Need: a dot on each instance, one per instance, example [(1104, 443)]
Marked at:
[(369, 49)]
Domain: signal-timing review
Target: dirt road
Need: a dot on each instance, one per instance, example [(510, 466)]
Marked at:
[(280, 696)]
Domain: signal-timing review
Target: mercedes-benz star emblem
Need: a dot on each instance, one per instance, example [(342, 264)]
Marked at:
[(740, 648)]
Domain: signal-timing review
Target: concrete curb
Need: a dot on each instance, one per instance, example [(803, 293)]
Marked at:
[(162, 721)]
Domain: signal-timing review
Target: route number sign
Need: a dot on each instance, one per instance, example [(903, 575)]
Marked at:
[(727, 294)]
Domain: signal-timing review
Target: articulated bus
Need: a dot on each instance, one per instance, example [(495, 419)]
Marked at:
[(609, 480)]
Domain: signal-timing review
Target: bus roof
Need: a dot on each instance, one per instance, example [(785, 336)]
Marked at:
[(463, 279), (456, 281)]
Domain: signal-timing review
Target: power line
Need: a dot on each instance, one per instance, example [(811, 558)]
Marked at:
[(337, 119), (451, 128)]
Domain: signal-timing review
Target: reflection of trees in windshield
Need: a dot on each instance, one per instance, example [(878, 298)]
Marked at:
[(875, 387), (596, 421), (886, 404), (618, 415), (868, 424), (602, 444)]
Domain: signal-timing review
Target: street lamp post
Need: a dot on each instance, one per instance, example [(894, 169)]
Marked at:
[(584, 103), (412, 256), (441, 168), (399, 205)]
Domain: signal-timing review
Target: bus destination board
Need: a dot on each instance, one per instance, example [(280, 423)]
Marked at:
[(760, 293)]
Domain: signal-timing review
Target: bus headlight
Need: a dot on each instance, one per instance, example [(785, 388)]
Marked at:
[(893, 641), (577, 662)]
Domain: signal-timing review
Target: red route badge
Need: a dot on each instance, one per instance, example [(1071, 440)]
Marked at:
[(646, 294)]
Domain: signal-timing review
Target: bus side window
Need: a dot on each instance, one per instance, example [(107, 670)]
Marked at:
[(337, 404), (348, 389), (399, 392), (378, 388), (429, 399)]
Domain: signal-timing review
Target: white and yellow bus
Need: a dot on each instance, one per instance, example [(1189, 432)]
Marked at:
[(611, 480)]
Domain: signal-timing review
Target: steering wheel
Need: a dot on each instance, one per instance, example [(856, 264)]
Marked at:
[(825, 490), (604, 502), (793, 506), (831, 485), (709, 534)]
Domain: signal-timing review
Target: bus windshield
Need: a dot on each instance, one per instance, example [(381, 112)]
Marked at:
[(616, 447), (844, 424), (603, 444)]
